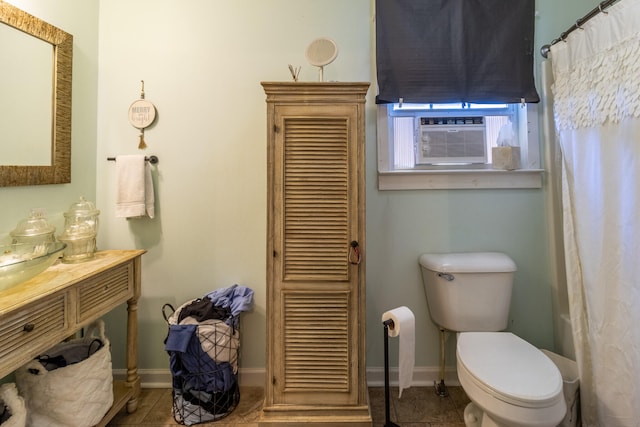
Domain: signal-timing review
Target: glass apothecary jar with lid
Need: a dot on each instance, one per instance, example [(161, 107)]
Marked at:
[(83, 211), (80, 240), (80, 231), (34, 229)]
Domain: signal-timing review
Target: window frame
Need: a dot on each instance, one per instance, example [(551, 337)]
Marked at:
[(459, 177)]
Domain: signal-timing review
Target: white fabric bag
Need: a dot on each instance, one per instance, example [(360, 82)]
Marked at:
[(76, 395), (14, 405)]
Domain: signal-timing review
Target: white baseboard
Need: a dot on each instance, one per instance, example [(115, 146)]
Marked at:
[(254, 377), (149, 378), (422, 376)]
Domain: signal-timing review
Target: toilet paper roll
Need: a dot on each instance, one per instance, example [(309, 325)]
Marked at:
[(403, 327)]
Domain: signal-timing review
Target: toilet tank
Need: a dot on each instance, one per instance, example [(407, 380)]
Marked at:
[(468, 292)]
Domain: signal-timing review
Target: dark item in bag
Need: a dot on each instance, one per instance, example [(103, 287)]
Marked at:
[(69, 354)]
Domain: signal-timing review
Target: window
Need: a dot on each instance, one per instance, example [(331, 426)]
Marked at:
[(463, 51), (450, 145)]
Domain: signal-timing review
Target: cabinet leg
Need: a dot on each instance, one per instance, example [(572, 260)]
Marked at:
[(133, 379)]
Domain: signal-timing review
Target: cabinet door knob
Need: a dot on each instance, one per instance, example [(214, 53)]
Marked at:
[(28, 327)]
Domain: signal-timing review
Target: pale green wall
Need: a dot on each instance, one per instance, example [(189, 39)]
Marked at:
[(202, 62)]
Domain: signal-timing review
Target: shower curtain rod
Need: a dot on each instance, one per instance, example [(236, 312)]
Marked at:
[(544, 50)]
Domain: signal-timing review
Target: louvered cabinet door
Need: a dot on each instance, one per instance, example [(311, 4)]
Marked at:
[(315, 290), (316, 215)]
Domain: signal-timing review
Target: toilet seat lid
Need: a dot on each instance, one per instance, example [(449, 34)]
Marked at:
[(509, 368)]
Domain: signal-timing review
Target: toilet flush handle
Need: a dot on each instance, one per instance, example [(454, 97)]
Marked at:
[(446, 276)]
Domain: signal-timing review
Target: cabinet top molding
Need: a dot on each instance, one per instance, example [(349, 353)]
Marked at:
[(320, 89)]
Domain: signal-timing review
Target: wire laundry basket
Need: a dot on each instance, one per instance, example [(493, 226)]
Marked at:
[(203, 347)]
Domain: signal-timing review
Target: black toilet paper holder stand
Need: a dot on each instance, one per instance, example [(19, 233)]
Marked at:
[(387, 423)]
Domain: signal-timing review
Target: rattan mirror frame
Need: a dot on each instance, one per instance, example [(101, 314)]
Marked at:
[(59, 172)]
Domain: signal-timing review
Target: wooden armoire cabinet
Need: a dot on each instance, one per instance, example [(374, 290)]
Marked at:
[(316, 373)]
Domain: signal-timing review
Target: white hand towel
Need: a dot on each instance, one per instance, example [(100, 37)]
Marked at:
[(134, 189)]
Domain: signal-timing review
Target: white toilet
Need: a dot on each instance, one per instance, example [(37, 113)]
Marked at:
[(510, 382)]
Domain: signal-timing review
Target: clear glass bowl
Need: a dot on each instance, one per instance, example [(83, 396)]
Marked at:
[(20, 262)]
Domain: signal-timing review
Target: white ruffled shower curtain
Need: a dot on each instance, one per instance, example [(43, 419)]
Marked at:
[(597, 116)]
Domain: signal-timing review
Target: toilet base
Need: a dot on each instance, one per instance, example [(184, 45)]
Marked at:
[(472, 416), (475, 417)]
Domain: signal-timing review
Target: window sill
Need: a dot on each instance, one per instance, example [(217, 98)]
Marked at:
[(452, 179)]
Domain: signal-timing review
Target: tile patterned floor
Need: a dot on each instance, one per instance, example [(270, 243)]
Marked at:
[(418, 407)]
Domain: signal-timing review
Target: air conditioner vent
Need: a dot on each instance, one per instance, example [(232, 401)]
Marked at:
[(451, 140)]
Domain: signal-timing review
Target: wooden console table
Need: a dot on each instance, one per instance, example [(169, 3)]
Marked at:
[(39, 313)]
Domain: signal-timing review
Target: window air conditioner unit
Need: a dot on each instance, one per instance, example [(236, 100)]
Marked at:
[(451, 140)]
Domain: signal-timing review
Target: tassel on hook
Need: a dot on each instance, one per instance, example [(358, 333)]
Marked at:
[(142, 145)]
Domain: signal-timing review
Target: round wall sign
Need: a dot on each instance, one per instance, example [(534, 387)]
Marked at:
[(141, 113)]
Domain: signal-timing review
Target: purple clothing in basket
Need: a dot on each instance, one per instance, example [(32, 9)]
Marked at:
[(237, 298)]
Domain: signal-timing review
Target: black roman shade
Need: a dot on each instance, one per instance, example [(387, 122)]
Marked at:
[(432, 51)]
